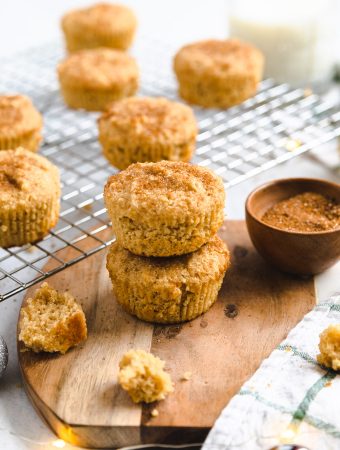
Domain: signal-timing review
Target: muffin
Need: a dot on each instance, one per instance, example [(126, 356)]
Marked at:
[(142, 375), (218, 74), (100, 25), (52, 321), (20, 123), (92, 79), (146, 129), (168, 290), (29, 197), (330, 347), (165, 208)]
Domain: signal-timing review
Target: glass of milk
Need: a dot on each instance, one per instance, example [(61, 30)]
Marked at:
[(298, 37)]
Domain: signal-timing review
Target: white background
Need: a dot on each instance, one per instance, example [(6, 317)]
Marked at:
[(27, 22), (24, 23)]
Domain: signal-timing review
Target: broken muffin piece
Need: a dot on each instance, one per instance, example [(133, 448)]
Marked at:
[(330, 347), (52, 321), (141, 374)]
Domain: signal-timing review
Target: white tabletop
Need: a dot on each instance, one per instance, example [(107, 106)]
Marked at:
[(26, 24)]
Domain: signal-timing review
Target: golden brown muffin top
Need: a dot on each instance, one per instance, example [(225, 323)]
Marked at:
[(101, 18), (166, 191), (219, 57), (26, 177), (98, 68), (146, 119), (211, 260), (18, 116)]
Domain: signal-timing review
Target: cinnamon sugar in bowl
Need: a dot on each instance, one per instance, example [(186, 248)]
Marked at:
[(294, 224)]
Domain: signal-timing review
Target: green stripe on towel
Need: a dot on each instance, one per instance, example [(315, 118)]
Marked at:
[(266, 402), (332, 306), (296, 352), (322, 425), (312, 392), (301, 412)]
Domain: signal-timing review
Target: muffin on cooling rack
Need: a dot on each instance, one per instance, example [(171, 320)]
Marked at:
[(165, 208), (142, 129), (168, 290), (29, 197), (92, 79), (100, 25), (20, 123), (218, 73)]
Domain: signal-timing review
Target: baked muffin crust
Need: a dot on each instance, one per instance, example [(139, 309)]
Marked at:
[(218, 73), (168, 290), (142, 129), (165, 208), (92, 79), (100, 25), (29, 197), (20, 123)]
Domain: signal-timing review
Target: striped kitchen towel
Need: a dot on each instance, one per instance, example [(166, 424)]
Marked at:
[(289, 399)]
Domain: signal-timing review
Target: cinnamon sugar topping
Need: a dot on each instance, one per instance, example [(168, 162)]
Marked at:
[(310, 212)]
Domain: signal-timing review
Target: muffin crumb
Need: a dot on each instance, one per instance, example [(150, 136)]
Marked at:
[(154, 413), (330, 347), (307, 92), (186, 376), (142, 375)]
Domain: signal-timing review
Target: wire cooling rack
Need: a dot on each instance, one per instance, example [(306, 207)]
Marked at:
[(278, 124)]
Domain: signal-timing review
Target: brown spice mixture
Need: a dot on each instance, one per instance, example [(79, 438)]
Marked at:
[(304, 212)]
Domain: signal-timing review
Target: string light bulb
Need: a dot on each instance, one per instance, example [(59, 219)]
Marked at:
[(288, 434), (59, 443)]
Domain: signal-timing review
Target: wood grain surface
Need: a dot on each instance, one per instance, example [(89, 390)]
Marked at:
[(78, 395)]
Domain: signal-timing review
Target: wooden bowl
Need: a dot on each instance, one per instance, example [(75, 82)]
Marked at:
[(303, 253)]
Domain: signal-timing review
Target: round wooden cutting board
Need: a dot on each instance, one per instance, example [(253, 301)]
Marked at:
[(78, 395)]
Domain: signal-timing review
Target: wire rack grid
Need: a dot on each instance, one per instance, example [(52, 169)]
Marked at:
[(278, 124)]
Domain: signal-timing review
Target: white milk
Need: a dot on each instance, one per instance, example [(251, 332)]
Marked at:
[(297, 37)]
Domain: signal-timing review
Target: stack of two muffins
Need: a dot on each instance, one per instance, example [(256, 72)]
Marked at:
[(167, 264)]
